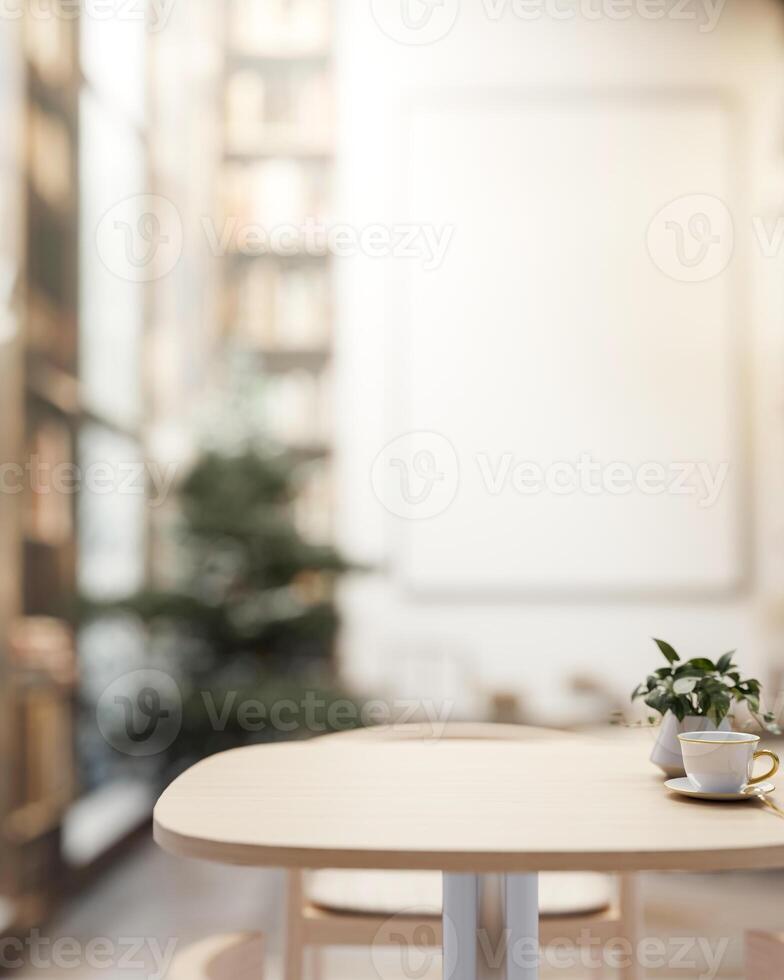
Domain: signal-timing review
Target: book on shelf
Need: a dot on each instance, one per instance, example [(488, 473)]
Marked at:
[(286, 109), (302, 307), (298, 408), (284, 307), (50, 155), (245, 109), (49, 497), (51, 263), (48, 739), (43, 645), (48, 44), (289, 27), (253, 305), (268, 194), (51, 332), (47, 577)]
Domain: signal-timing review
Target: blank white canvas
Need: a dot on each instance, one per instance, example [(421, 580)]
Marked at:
[(548, 333)]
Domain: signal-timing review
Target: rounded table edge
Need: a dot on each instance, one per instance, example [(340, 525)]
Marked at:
[(762, 857)]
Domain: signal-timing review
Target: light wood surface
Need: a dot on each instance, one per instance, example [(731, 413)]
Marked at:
[(373, 908), (764, 955), (322, 928), (574, 804), (234, 956), (428, 731)]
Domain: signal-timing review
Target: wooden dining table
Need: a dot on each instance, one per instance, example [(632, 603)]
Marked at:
[(488, 814)]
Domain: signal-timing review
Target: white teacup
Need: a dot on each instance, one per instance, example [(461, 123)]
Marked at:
[(722, 762)]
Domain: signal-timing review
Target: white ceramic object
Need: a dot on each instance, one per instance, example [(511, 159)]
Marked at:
[(666, 752), (686, 787), (722, 762)]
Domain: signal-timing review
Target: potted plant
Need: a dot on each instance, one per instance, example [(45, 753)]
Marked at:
[(695, 695)]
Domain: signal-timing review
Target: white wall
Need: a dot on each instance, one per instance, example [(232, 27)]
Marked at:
[(557, 327)]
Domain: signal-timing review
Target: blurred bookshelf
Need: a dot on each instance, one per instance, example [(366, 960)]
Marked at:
[(41, 409), (11, 398), (277, 173), (97, 368), (72, 375)]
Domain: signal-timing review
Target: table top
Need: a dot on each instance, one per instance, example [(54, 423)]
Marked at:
[(481, 805)]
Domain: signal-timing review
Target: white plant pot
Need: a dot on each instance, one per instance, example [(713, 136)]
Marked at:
[(666, 752)]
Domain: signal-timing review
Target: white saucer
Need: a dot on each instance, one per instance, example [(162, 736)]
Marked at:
[(686, 787)]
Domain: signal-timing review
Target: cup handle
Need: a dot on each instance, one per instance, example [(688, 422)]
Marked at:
[(773, 769)]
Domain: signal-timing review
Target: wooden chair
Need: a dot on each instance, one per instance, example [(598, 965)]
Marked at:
[(235, 956), (764, 955), (388, 908)]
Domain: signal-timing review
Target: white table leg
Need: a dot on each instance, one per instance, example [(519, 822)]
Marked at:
[(491, 939), (461, 905), (491, 927), (521, 917)]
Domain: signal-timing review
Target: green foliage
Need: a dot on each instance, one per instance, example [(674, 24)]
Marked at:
[(250, 583), (252, 610), (269, 708), (701, 687)]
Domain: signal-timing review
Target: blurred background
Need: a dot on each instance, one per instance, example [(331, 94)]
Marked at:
[(364, 362)]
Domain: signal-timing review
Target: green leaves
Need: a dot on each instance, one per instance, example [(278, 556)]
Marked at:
[(701, 687), (667, 650), (724, 662), (684, 685)]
